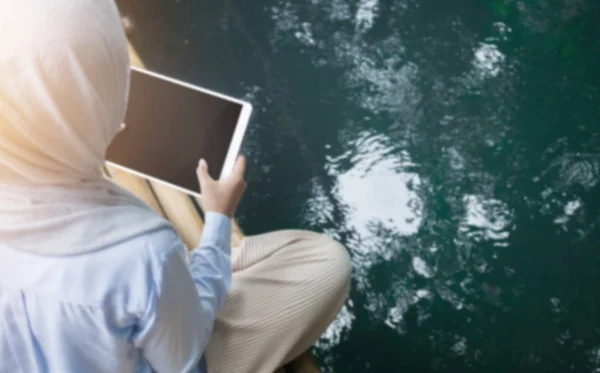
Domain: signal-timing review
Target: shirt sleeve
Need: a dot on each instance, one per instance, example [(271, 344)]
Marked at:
[(175, 328), (210, 264)]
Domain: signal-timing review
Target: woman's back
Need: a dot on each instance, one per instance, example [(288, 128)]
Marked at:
[(81, 312)]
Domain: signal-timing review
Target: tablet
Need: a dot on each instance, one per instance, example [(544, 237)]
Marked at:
[(170, 125)]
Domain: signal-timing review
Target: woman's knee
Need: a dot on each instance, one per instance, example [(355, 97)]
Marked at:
[(335, 266), (315, 260)]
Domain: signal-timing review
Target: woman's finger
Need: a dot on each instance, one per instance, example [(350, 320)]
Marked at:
[(203, 171), (240, 167)]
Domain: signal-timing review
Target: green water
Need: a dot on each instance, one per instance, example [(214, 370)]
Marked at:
[(452, 146)]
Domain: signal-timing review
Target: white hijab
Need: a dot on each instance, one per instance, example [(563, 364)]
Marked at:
[(64, 83)]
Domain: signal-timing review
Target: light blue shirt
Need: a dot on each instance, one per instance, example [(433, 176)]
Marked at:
[(137, 306)]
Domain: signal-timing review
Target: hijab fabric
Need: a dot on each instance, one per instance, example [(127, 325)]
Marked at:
[(64, 83)]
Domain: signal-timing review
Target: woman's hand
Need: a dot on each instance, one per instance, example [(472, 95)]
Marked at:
[(222, 196)]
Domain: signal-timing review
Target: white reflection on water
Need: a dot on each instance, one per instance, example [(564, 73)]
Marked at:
[(285, 17), (340, 10), (421, 267), (389, 82), (319, 208), (488, 60), (376, 191), (333, 334), (451, 297), (485, 219), (570, 208), (459, 347), (593, 356), (378, 194), (502, 31), (457, 161), (404, 301), (305, 34), (375, 188), (366, 14), (579, 168)]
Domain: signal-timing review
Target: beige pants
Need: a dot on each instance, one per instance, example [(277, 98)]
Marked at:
[(287, 288)]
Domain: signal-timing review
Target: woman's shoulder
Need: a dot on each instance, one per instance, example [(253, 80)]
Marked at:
[(161, 244), (147, 252), (132, 269), (124, 272)]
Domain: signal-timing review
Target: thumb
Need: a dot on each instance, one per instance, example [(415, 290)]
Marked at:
[(240, 167), (202, 171)]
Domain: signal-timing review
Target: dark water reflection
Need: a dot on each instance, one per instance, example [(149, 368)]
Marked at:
[(453, 146)]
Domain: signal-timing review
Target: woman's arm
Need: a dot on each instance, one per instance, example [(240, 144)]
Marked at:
[(210, 265), (176, 327), (174, 330)]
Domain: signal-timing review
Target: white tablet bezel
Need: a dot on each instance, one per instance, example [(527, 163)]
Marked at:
[(234, 146)]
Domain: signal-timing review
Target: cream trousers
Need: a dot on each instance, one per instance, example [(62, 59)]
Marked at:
[(287, 288)]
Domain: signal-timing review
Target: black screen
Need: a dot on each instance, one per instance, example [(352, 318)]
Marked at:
[(169, 127)]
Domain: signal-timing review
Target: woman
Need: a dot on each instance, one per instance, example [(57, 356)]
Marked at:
[(91, 280)]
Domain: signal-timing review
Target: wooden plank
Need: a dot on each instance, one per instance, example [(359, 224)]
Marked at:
[(134, 57)]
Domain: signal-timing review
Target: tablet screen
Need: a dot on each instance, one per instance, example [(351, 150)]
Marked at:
[(169, 127)]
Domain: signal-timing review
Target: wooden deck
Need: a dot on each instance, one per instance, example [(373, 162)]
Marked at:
[(184, 212)]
